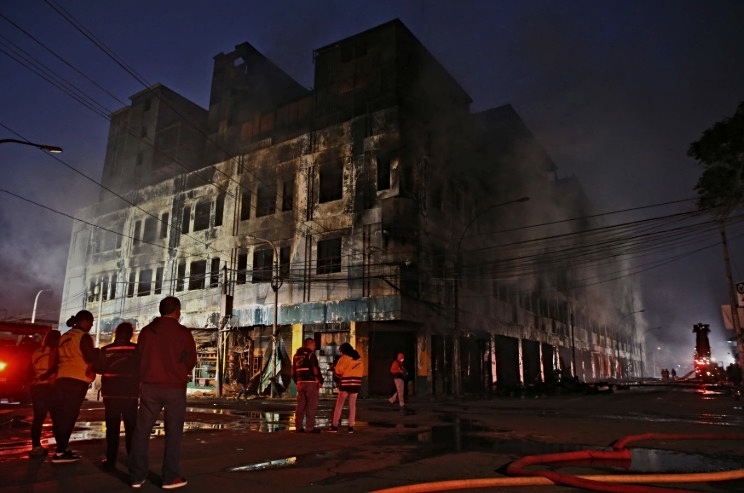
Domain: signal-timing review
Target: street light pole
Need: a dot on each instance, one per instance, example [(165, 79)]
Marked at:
[(33, 313), (457, 371), (276, 283), (43, 147)]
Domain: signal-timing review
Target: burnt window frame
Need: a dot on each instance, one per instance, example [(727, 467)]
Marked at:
[(262, 270), (197, 275), (245, 205), (328, 259), (331, 181), (202, 212)]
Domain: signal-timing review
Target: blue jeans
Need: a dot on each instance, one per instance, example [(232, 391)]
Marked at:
[(153, 399)]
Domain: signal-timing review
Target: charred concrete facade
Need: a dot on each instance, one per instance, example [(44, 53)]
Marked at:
[(356, 196)]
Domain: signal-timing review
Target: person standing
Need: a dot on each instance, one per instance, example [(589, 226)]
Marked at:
[(76, 355), (117, 363), (400, 374), (308, 378), (167, 355), (43, 372), (242, 380), (349, 371)]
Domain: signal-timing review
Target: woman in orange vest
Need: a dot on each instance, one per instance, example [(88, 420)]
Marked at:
[(76, 355)]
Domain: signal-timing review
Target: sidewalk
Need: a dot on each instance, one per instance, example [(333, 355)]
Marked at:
[(441, 441)]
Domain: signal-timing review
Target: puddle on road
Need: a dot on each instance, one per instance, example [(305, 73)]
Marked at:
[(463, 436)]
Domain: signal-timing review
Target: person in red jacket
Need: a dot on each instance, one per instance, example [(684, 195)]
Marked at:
[(117, 363), (167, 354)]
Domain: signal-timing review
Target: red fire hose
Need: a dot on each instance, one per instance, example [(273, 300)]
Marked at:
[(619, 483)]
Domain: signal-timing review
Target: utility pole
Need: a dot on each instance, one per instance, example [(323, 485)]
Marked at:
[(226, 311)]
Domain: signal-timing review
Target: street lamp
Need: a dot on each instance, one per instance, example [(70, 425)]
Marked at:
[(458, 273), (643, 337), (43, 147), (33, 313), (276, 283)]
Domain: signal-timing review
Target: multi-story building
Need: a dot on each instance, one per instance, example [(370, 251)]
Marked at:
[(360, 211)]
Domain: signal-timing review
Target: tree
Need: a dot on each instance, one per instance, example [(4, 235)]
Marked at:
[(720, 188)]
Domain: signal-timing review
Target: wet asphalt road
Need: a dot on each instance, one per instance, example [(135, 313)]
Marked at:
[(251, 445)]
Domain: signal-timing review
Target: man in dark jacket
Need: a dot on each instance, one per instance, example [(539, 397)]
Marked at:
[(307, 376), (117, 363), (167, 355)]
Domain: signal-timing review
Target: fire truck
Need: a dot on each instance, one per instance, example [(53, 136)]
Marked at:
[(18, 341), (705, 369)]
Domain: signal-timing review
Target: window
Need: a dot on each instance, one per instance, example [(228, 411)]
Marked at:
[(284, 262), (186, 219), (197, 272), (164, 225), (181, 277), (145, 282), (383, 170), (262, 263), (136, 233), (219, 209), (151, 228), (329, 256), (288, 193), (113, 287), (130, 284), (214, 273), (105, 289), (242, 267), (331, 181), (245, 205), (201, 216), (266, 200), (158, 281)]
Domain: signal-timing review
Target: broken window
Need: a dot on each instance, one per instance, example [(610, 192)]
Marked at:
[(288, 193), (181, 276), (284, 262), (201, 216), (219, 209), (214, 273), (185, 222), (145, 282), (329, 256), (331, 181), (136, 233), (113, 286), (197, 272), (130, 284), (105, 289), (241, 277), (383, 170), (148, 236), (158, 281), (262, 263), (164, 225), (245, 205), (266, 199)]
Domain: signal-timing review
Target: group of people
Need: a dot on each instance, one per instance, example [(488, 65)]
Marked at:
[(347, 375), (138, 381)]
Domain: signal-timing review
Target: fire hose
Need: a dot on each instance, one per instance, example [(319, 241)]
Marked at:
[(617, 483)]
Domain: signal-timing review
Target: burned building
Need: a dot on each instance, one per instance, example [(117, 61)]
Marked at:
[(362, 211)]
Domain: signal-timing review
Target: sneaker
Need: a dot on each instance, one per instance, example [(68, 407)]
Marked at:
[(351, 429), (65, 457), (175, 483), (38, 450), (138, 484), (300, 430), (107, 464), (333, 429)]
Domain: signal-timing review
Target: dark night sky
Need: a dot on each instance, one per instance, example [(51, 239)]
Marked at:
[(614, 90)]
